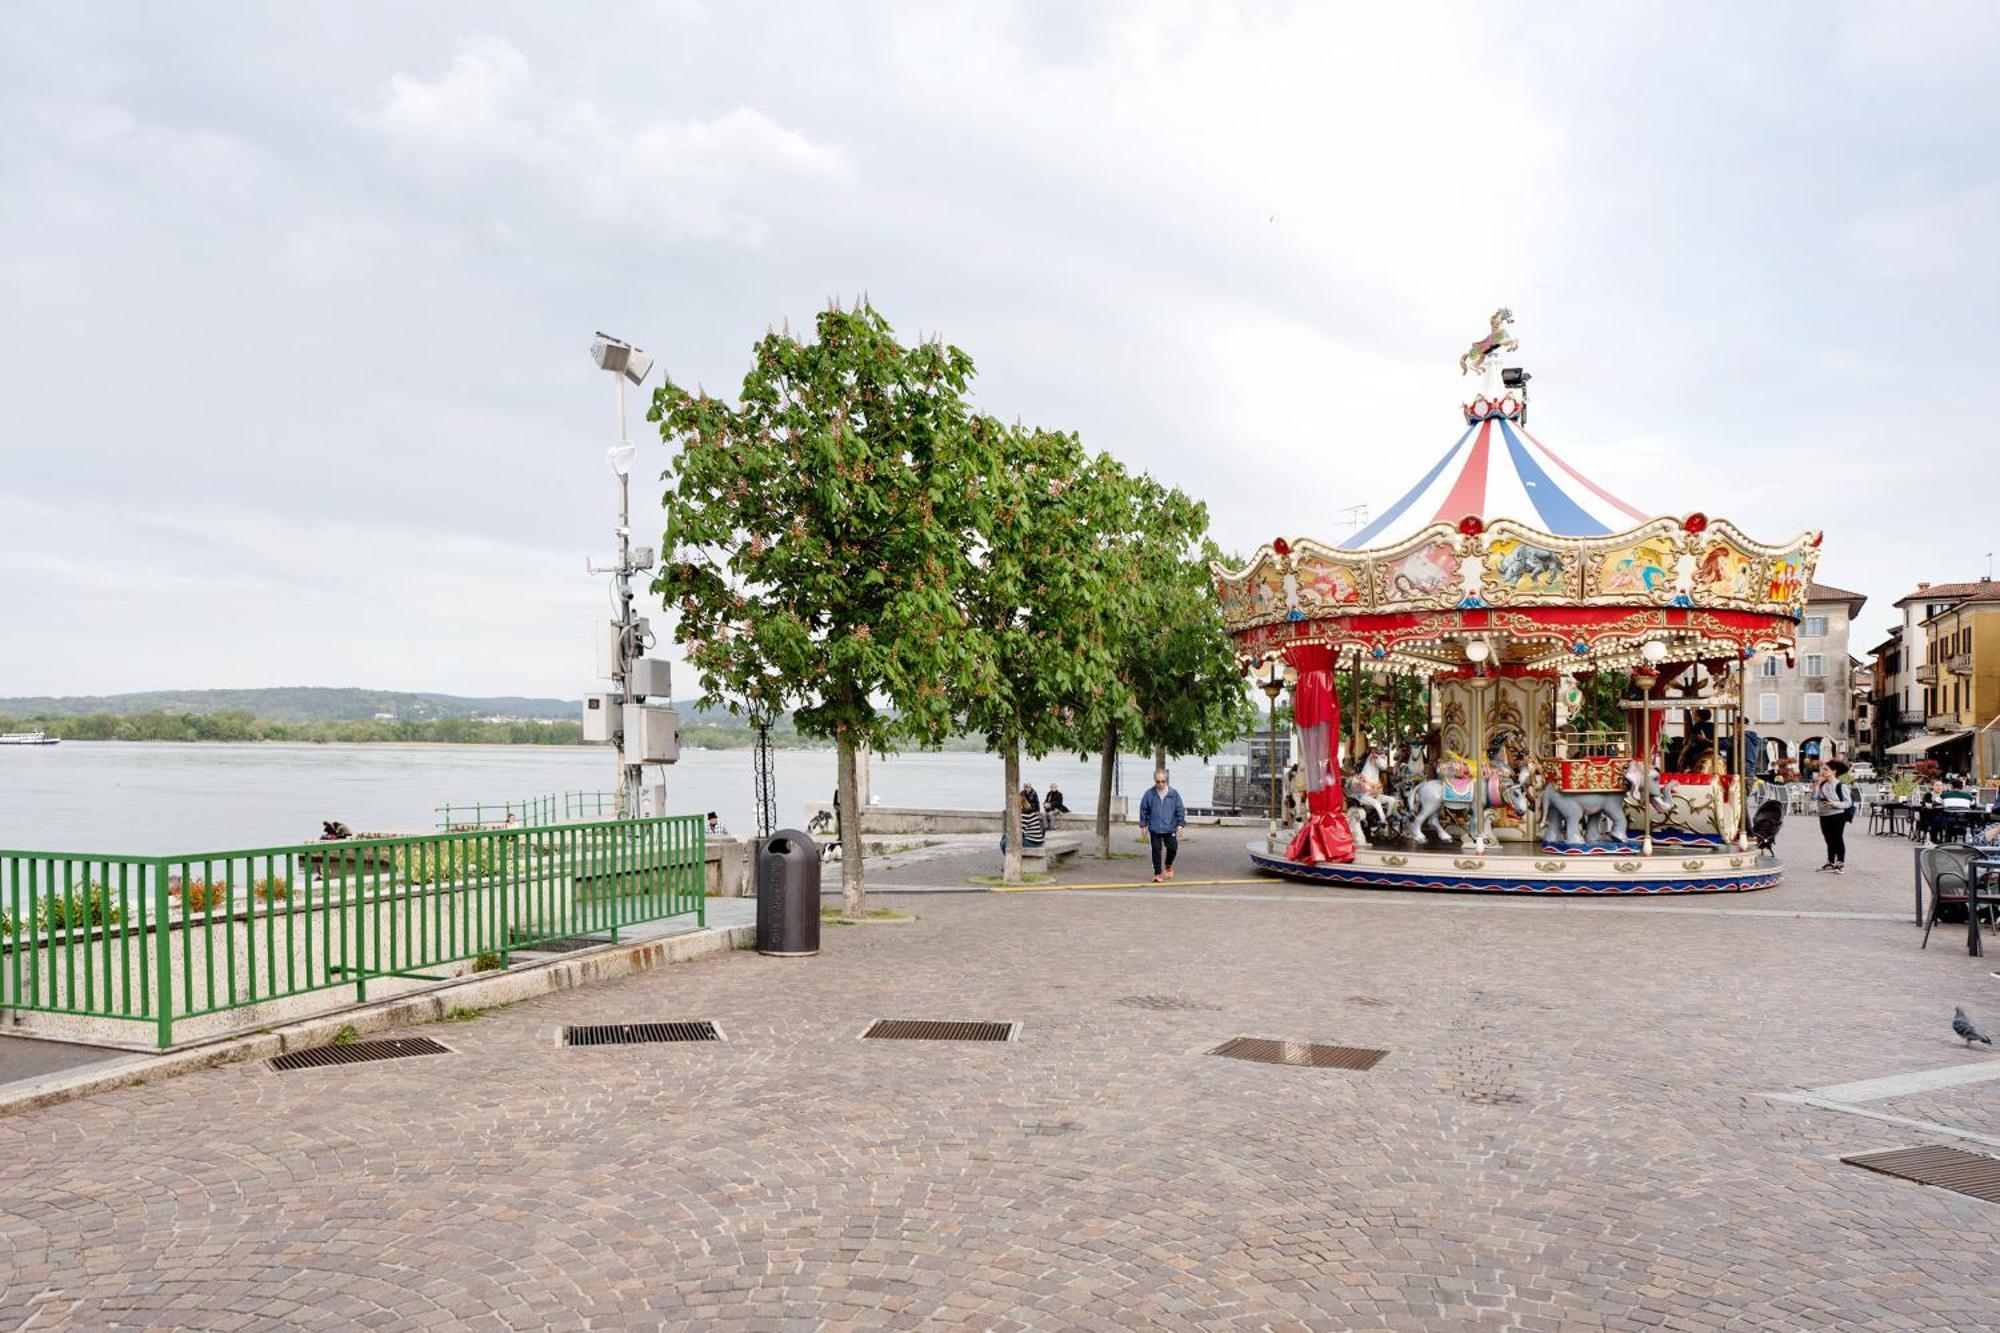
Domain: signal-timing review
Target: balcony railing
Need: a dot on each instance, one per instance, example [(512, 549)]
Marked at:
[(1927, 674), (1959, 665)]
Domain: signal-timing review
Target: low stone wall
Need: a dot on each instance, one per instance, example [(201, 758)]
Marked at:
[(726, 868), (885, 819)]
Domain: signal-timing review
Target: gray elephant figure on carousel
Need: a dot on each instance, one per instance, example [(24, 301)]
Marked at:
[(1589, 818)]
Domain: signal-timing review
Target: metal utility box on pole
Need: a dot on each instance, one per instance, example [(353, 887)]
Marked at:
[(642, 733)]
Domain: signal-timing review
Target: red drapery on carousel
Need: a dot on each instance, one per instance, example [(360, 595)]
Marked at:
[(1325, 835)]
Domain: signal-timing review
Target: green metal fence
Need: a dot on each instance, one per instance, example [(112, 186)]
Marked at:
[(158, 939), (562, 807)]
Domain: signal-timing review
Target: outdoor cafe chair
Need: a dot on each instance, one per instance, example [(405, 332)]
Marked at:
[(1947, 868)]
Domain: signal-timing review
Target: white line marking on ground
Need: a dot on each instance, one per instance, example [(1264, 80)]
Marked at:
[(1905, 1085), (1928, 1127)]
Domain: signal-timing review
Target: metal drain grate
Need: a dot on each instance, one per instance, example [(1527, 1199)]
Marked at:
[(1167, 1003), (931, 1029), (1948, 1168), (1302, 1053), (357, 1052), (631, 1034)]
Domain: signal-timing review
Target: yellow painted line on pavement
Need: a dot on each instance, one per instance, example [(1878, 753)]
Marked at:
[(1135, 884)]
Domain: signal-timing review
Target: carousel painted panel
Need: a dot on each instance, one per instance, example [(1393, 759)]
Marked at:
[(1428, 575)]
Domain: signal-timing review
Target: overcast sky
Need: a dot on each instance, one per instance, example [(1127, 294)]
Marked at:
[(294, 384)]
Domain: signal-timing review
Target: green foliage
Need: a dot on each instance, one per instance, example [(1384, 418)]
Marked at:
[(86, 905), (819, 530), (486, 962), (1182, 688), (446, 861), (1601, 692), (347, 1035), (1041, 602), (1392, 708), (292, 704)]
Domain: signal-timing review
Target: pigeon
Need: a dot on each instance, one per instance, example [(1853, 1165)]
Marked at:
[(1967, 1029)]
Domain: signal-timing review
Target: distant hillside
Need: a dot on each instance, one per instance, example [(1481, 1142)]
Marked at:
[(314, 703), (296, 704)]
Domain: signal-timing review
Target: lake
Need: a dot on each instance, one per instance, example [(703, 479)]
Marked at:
[(142, 798)]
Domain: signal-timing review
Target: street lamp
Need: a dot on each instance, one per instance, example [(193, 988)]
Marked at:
[(1271, 680), (625, 362)]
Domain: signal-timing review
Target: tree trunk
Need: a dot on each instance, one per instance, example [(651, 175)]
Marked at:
[(1159, 762), (1104, 772), (1010, 816), (853, 894)]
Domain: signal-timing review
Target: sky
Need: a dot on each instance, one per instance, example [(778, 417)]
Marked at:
[(294, 373)]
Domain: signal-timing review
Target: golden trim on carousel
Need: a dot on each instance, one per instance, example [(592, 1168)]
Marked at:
[(1519, 779)]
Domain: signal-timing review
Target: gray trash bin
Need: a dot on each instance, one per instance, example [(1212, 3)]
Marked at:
[(788, 894)]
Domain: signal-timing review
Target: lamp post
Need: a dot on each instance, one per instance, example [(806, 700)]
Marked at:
[(622, 361), (1272, 681)]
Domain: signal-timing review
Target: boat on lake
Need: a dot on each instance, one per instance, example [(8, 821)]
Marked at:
[(28, 738)]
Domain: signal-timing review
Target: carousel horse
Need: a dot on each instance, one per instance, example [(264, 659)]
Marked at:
[(1453, 793), (1366, 788), (1495, 341)]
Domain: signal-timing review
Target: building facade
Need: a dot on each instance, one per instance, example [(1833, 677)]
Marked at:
[(1901, 710), (1803, 704), (1960, 679)]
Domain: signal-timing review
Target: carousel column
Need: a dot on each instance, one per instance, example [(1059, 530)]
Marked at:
[(1476, 653), (1738, 776)]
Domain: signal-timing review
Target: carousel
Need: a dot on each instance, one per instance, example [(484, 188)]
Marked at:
[(1543, 684)]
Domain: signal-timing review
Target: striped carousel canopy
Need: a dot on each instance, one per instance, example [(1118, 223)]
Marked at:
[(1498, 470)]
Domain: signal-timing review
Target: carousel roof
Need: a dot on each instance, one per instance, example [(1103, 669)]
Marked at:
[(1498, 470)]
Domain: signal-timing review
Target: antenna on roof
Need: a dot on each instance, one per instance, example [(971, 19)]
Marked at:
[(1355, 518)]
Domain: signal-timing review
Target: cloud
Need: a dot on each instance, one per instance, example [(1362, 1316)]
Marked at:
[(1928, 229), (487, 118)]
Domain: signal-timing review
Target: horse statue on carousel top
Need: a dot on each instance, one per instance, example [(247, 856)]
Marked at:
[(1495, 342)]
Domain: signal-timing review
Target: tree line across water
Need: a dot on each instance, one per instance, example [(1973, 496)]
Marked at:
[(230, 725), (852, 542)]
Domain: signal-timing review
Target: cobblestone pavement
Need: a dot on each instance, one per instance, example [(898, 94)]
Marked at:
[(1567, 1132)]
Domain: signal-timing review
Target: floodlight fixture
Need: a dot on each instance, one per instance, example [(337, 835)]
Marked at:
[(620, 358), (1513, 377), (619, 459)]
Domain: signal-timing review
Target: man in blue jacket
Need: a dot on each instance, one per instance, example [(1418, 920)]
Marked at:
[(1164, 816)]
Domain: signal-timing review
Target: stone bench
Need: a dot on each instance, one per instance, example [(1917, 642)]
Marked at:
[(1053, 852)]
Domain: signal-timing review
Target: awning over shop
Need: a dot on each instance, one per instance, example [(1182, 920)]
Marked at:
[(1920, 744)]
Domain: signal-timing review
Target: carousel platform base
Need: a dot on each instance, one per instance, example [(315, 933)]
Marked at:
[(1525, 870)]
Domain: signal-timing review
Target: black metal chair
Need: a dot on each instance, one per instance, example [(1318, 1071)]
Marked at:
[(1947, 870)]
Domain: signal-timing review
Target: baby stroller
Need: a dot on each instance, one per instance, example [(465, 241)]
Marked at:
[(1764, 826)]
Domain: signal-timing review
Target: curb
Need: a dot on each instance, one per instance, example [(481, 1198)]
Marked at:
[(477, 991)]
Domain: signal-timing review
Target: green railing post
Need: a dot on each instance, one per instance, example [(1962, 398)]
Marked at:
[(357, 964), (163, 980)]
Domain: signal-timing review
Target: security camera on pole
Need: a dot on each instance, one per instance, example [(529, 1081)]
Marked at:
[(643, 731)]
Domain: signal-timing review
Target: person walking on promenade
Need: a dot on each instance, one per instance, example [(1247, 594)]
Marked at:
[(1834, 800), (1164, 816)]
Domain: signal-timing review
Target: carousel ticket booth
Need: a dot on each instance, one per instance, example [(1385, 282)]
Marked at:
[(1575, 666)]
